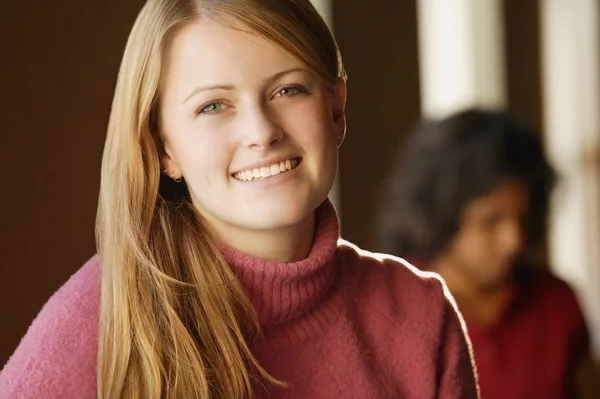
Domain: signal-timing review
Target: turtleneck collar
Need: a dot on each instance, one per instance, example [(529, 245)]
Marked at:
[(281, 292)]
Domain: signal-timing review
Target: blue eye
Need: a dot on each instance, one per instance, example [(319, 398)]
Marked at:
[(211, 108)]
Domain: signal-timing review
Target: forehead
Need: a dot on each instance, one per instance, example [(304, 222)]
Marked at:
[(222, 53), (508, 194)]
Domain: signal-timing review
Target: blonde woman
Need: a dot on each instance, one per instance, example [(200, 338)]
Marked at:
[(220, 272)]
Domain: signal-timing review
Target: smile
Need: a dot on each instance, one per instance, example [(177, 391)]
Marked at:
[(267, 171)]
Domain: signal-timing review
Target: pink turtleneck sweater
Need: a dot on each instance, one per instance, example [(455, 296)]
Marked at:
[(342, 323)]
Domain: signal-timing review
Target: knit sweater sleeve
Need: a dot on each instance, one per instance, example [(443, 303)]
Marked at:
[(457, 376), (57, 356)]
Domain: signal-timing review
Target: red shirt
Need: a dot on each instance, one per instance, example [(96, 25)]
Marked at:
[(530, 351)]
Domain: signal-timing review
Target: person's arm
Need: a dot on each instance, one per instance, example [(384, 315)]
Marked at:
[(458, 374)]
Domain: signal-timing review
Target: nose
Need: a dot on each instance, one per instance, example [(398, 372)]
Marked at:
[(261, 129)]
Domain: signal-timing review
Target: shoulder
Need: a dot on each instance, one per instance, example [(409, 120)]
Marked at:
[(551, 290), (396, 284), (57, 355), (383, 267), (413, 314), (74, 304), (556, 304)]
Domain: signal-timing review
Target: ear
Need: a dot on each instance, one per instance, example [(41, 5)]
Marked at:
[(339, 110), (171, 167)]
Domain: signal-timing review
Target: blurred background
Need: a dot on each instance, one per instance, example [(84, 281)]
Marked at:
[(406, 60)]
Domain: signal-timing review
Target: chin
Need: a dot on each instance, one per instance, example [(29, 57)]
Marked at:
[(494, 282), (275, 217), (285, 210)]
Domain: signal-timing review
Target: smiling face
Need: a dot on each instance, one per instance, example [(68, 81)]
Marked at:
[(253, 131)]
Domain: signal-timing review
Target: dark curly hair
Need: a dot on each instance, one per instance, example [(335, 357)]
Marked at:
[(446, 164)]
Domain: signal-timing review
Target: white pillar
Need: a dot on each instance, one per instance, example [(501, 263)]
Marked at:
[(571, 81), (325, 9), (461, 54)]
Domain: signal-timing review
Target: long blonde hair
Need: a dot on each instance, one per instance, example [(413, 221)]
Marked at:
[(174, 319)]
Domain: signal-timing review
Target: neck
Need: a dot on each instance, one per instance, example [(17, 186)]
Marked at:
[(284, 292), (284, 245), (478, 303)]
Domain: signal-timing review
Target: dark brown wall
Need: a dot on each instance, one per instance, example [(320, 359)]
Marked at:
[(378, 41), (523, 60), (59, 62)]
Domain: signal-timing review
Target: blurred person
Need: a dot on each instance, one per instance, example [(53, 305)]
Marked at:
[(220, 271), (468, 197)]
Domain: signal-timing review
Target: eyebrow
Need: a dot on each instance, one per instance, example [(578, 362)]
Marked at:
[(268, 81)]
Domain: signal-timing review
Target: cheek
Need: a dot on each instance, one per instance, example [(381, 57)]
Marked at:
[(197, 157), (320, 143), (313, 119), (475, 246)]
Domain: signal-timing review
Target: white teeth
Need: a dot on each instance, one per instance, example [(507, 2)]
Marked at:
[(266, 171)]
